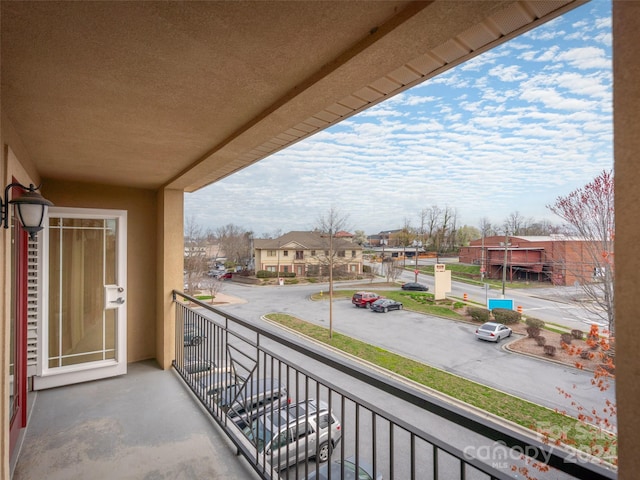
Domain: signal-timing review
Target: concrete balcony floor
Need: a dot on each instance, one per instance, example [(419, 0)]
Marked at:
[(142, 425)]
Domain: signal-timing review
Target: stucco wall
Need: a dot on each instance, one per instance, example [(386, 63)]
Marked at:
[(141, 251)]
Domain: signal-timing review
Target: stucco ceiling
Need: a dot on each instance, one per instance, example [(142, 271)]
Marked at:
[(182, 94)]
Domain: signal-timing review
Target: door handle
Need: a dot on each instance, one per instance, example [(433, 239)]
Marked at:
[(119, 301)]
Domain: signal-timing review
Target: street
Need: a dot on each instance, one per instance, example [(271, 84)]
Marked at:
[(439, 342)]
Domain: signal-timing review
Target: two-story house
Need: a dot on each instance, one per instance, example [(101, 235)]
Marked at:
[(309, 254)]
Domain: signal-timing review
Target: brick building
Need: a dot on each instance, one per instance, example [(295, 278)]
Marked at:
[(556, 258)]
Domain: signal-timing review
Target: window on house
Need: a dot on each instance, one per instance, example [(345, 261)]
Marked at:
[(353, 253), (299, 255), (313, 253), (271, 253), (341, 253), (271, 268), (285, 269), (285, 253)]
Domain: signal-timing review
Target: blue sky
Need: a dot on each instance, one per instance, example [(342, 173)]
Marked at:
[(507, 131)]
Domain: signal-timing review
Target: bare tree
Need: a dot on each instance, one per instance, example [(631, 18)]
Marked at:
[(514, 223), (589, 215), (432, 216), (211, 285), (446, 227), (328, 225), (391, 269), (486, 229), (195, 258), (236, 244)]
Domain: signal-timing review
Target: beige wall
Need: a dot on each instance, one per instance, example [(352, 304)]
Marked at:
[(626, 118), (141, 251), (170, 262)]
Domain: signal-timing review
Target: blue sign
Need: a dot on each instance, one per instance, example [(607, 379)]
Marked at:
[(500, 303)]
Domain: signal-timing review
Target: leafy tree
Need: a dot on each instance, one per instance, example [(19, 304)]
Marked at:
[(360, 237), (589, 215), (466, 233)]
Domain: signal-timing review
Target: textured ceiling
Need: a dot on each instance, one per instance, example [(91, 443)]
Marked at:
[(181, 94)]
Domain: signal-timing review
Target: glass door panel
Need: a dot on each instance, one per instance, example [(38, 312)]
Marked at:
[(84, 330)]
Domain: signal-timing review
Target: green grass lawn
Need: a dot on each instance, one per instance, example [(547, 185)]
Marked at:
[(422, 302), (508, 407)]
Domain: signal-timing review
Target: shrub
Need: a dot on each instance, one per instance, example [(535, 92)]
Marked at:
[(533, 332), (585, 354), (458, 305), (541, 341), (268, 274), (549, 350), (566, 338), (577, 334), (534, 322), (478, 314), (506, 316)]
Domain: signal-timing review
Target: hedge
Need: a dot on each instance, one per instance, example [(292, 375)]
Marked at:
[(478, 314), (268, 274), (506, 316)]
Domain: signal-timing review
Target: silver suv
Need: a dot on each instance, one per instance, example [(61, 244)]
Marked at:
[(295, 433)]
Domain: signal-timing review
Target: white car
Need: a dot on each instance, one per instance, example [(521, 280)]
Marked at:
[(493, 332)]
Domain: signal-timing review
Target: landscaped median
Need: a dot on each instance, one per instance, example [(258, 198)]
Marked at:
[(555, 426)]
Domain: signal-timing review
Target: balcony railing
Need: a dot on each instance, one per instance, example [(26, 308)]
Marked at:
[(287, 404)]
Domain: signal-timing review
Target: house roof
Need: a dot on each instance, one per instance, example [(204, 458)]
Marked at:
[(182, 94), (305, 240)]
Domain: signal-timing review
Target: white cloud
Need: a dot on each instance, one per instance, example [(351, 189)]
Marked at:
[(507, 73), (509, 130), (585, 57)]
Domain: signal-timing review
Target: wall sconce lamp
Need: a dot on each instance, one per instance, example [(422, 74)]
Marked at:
[(31, 208)]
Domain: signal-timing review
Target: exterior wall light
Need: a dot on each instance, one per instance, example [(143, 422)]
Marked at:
[(31, 208)]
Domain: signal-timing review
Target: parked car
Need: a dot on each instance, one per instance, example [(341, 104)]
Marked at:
[(493, 332), (245, 401), (295, 433), (193, 334), (385, 304), (364, 299), (219, 274), (365, 471), (215, 383), (415, 286), (196, 365)]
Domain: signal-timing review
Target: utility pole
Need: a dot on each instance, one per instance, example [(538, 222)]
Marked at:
[(504, 263), (482, 267), (330, 283), (416, 272)]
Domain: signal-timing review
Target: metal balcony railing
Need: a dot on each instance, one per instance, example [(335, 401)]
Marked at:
[(295, 410)]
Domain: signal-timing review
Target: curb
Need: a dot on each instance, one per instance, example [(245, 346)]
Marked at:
[(423, 388)]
